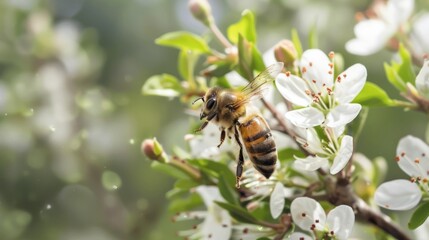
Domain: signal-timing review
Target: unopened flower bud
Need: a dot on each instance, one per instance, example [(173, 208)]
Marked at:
[(285, 52), (152, 149), (201, 10)]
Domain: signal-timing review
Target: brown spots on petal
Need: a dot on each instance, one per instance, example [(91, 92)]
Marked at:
[(331, 55), (287, 74), (397, 158), (304, 70), (402, 154), (417, 160)]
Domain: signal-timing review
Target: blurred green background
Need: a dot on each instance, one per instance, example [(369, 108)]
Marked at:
[(72, 116)]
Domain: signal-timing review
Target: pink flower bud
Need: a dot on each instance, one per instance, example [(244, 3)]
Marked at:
[(201, 10), (285, 52)]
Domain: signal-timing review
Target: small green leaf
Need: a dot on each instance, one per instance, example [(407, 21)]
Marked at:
[(184, 41), (170, 170), (419, 216), (405, 68), (257, 61), (394, 78), (296, 41), (245, 58), (239, 213), (227, 189), (185, 184), (372, 95), (288, 154), (213, 168), (245, 27), (185, 204), (313, 40), (380, 170), (162, 85)]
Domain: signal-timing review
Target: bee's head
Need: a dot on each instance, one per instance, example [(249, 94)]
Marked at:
[(209, 109)]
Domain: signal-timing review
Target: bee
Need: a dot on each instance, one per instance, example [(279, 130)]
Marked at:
[(230, 110)]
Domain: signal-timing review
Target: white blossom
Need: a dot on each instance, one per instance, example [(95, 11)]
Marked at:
[(323, 99), (374, 33), (310, 216), (412, 155)]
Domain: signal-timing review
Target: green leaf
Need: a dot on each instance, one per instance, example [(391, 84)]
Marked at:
[(245, 27), (313, 40), (287, 154), (297, 42), (419, 216), (170, 170), (239, 213), (372, 95), (394, 78), (227, 189), (185, 184), (245, 58), (380, 170), (185, 204), (257, 61), (162, 85), (213, 169), (405, 68), (184, 41)]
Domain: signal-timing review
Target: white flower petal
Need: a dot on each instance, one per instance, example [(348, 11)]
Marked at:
[(300, 236), (349, 83), (305, 211), (310, 163), (420, 34), (371, 36), (317, 68), (343, 155), (305, 117), (293, 89), (313, 141), (217, 223), (398, 195), (342, 114), (340, 220), (277, 200), (412, 155), (400, 10), (422, 79)]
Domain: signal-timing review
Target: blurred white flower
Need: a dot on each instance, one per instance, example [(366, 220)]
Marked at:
[(374, 33), (338, 151), (419, 35), (412, 155), (310, 216), (217, 222), (324, 100)]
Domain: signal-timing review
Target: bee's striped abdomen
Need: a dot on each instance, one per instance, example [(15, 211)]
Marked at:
[(259, 143)]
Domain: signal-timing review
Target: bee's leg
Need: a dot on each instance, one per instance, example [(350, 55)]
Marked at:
[(222, 137), (202, 126), (240, 163)]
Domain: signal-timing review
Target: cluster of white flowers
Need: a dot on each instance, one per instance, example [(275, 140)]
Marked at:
[(390, 18), (325, 101)]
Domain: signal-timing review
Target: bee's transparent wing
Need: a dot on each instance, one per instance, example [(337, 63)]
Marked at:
[(255, 89)]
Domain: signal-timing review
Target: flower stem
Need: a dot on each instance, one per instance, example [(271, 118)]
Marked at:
[(218, 34)]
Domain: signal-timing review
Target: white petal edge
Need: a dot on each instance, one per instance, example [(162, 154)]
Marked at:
[(409, 149), (398, 195), (277, 200), (343, 155), (305, 117), (317, 67), (305, 211), (342, 114), (310, 163), (293, 89), (340, 220), (422, 79), (349, 83)]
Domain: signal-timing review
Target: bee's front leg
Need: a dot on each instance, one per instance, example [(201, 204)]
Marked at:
[(222, 137), (202, 126), (240, 163)]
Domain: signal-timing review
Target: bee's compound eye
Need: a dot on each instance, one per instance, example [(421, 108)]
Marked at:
[(210, 103)]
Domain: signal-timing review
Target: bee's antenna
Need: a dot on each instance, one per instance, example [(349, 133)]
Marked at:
[(200, 98)]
